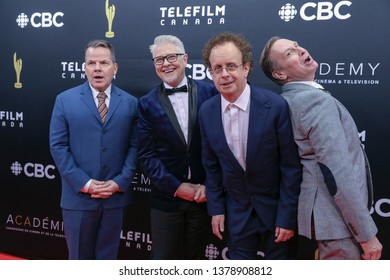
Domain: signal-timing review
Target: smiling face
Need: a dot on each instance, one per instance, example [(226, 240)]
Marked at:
[(229, 83), (294, 63), (171, 73), (99, 67)]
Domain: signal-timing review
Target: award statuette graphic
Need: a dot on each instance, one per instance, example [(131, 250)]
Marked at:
[(18, 70), (110, 14)]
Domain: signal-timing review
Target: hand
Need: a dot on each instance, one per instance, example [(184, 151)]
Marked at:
[(282, 234), (218, 225), (101, 189), (372, 249), (200, 195), (187, 191)]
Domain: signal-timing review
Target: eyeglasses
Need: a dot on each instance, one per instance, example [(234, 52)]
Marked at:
[(159, 60), (230, 68)]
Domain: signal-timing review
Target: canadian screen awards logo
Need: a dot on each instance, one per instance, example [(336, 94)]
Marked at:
[(18, 69), (110, 14)]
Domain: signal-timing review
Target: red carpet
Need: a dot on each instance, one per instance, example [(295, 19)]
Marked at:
[(4, 256)]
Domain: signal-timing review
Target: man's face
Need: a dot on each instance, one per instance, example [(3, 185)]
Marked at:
[(229, 83), (294, 62), (171, 73), (99, 67)]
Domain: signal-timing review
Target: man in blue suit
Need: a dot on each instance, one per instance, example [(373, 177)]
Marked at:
[(252, 166), (170, 154), (93, 142)]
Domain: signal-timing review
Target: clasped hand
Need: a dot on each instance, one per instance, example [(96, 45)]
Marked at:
[(192, 192), (102, 189)]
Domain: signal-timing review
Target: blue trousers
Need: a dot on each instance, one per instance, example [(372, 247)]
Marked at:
[(93, 234)]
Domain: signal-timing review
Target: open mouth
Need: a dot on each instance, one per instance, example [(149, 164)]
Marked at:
[(308, 59)]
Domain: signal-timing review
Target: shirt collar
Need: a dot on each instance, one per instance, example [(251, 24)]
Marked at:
[(310, 83), (241, 102), (182, 83), (95, 92)]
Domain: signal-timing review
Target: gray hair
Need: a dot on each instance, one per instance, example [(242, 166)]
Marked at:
[(167, 39)]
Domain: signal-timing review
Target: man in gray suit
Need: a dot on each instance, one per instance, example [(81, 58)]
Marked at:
[(336, 191)]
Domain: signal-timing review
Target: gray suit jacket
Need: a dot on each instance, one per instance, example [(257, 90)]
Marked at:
[(334, 187)]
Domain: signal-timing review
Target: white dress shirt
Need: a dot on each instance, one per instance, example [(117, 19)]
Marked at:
[(236, 125), (179, 101)]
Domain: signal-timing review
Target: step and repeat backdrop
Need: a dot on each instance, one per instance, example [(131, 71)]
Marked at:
[(42, 54)]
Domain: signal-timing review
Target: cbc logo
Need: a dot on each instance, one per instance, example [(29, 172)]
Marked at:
[(316, 11), (38, 20), (35, 170), (382, 207), (211, 252), (287, 12), (198, 72), (225, 254)]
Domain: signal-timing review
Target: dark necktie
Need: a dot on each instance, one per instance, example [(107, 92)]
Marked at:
[(173, 90)]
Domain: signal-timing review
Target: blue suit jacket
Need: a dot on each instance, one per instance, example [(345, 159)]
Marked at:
[(164, 155), (270, 184), (84, 148)]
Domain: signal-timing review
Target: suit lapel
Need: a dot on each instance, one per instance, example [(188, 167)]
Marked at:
[(166, 104), (87, 98), (115, 99), (192, 108), (259, 109)]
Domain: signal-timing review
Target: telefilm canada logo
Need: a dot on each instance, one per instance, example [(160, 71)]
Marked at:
[(316, 11), (137, 240), (11, 119), (73, 70), (192, 15), (41, 20)]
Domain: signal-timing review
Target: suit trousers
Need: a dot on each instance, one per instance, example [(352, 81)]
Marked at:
[(249, 239), (93, 234), (180, 234), (340, 249)]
